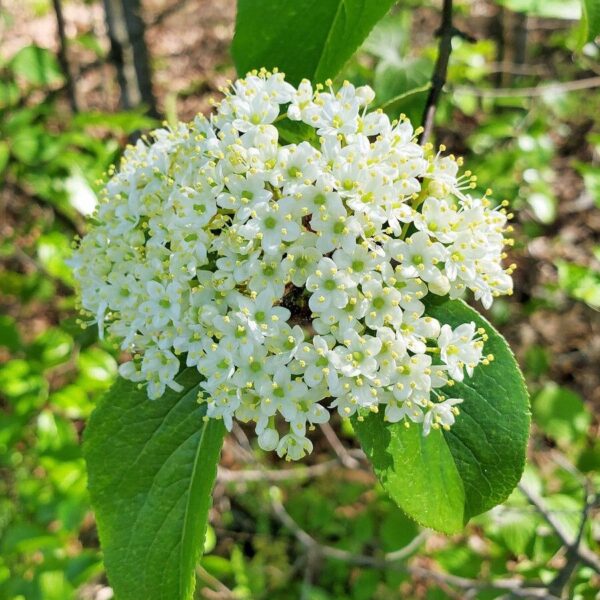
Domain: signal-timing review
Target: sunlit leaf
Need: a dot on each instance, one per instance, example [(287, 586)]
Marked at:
[(38, 66), (443, 480), (305, 38)]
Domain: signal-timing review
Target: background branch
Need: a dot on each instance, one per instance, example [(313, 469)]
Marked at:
[(63, 57), (583, 553), (438, 79), (395, 559)]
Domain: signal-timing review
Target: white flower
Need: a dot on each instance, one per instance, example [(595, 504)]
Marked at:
[(302, 102), (271, 225), (293, 277), (335, 113), (438, 219), (359, 260), (418, 256), (384, 304), (294, 447), (216, 363), (328, 286), (460, 349), (358, 355), (301, 259), (268, 439), (442, 414), (160, 368), (263, 318), (399, 411)]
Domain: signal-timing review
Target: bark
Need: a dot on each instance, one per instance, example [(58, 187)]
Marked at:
[(129, 54)]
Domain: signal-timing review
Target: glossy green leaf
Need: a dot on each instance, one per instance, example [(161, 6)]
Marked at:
[(151, 467), (485, 448), (489, 441), (306, 38), (417, 471)]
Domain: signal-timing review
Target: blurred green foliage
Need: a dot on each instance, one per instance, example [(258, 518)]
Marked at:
[(52, 371)]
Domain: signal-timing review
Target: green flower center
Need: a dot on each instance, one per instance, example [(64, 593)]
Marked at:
[(301, 262), (378, 303), (322, 362), (358, 356)]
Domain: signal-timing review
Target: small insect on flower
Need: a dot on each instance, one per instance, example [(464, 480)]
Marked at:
[(292, 276)]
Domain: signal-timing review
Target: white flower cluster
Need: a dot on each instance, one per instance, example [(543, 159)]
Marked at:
[(292, 276)]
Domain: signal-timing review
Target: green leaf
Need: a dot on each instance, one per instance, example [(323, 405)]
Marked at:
[(443, 480), (305, 38), (549, 9), (416, 471), (561, 414), (37, 66), (590, 20), (9, 334), (516, 529), (4, 156), (580, 282), (152, 466), (295, 132)]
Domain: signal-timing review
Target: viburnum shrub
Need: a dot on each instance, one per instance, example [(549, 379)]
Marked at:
[(293, 276), (292, 255)]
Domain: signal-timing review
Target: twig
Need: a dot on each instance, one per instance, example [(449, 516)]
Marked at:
[(519, 37), (394, 559), (307, 579), (221, 591), (341, 452), (418, 90), (302, 472), (166, 13), (562, 578), (531, 92), (497, 31), (438, 79), (516, 69), (336, 553), (248, 475), (563, 462), (584, 554), (243, 443), (63, 58)]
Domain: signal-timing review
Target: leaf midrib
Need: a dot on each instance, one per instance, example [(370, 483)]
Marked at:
[(327, 39), (187, 506)]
